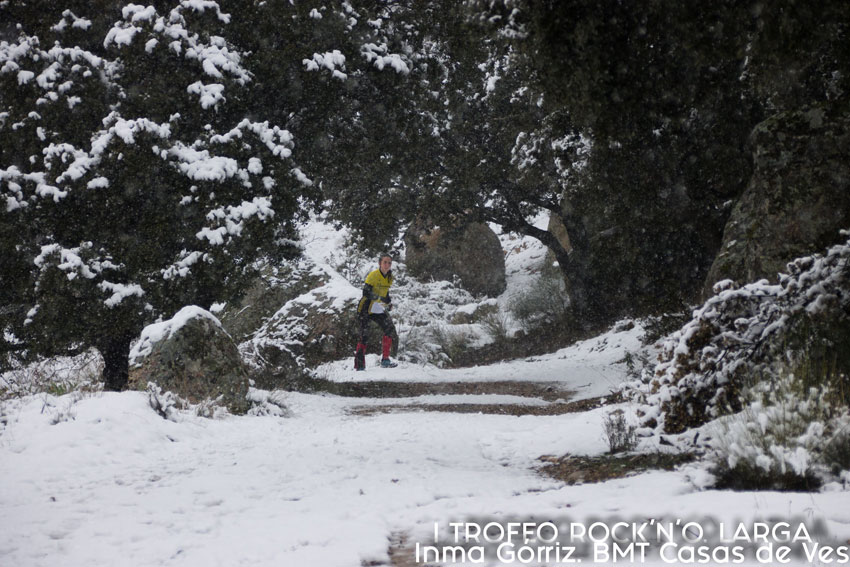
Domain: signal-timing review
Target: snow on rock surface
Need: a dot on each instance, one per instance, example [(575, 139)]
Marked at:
[(156, 332)]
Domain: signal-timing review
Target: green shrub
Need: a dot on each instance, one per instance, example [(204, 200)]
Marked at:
[(746, 333), (496, 325), (788, 437), (438, 344), (545, 301), (836, 451), (619, 433), (451, 341), (54, 376)]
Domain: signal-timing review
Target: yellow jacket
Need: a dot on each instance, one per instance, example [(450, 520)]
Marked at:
[(376, 288)]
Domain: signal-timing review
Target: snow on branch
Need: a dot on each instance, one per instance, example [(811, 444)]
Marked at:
[(138, 13), (183, 266), (301, 177), (201, 165), (44, 190), (215, 236), (75, 55), (209, 95), (11, 180), (526, 149), (378, 56), (120, 292), (217, 59), (80, 262), (127, 130), (202, 5), (231, 219), (277, 140), (197, 162), (69, 261), (81, 162), (334, 61), (69, 18), (24, 77), (194, 161), (83, 263), (121, 35), (54, 70)]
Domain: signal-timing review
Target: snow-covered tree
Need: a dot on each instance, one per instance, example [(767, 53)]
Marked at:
[(136, 175), (668, 94), (352, 96), (756, 333)]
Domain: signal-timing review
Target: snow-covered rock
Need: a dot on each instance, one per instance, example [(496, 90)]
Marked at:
[(192, 356), (471, 253), (798, 197)]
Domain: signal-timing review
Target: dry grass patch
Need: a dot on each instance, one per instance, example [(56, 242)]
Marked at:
[(582, 470)]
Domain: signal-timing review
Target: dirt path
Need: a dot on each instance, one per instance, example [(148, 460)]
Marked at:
[(544, 398), (548, 391), (555, 408)]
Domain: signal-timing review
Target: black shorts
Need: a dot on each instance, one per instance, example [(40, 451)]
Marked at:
[(382, 319)]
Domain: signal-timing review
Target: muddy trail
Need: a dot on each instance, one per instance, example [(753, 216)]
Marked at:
[(540, 398), (497, 397)]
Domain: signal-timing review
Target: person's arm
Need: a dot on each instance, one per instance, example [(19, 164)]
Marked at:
[(369, 293)]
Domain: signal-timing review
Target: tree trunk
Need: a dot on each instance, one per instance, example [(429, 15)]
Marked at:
[(586, 304), (116, 363)]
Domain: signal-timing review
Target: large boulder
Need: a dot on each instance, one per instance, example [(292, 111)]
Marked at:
[(192, 356), (314, 328), (798, 198), (274, 287), (471, 253)]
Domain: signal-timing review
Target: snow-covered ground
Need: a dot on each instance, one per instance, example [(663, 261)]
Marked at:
[(588, 368), (105, 481), (100, 479)]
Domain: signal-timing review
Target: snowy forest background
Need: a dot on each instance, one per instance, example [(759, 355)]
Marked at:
[(691, 160), (220, 126)]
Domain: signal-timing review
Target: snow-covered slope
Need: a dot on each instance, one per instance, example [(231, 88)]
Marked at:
[(102, 480), (106, 481)]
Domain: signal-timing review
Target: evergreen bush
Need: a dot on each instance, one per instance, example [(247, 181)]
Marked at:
[(496, 325), (544, 301), (620, 434), (745, 334), (788, 437)]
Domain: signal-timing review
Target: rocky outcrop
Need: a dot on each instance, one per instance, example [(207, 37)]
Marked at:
[(475, 312), (274, 287), (798, 198), (192, 356), (316, 327), (471, 253)]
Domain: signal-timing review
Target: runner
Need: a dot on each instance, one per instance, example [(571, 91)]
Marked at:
[(375, 306)]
